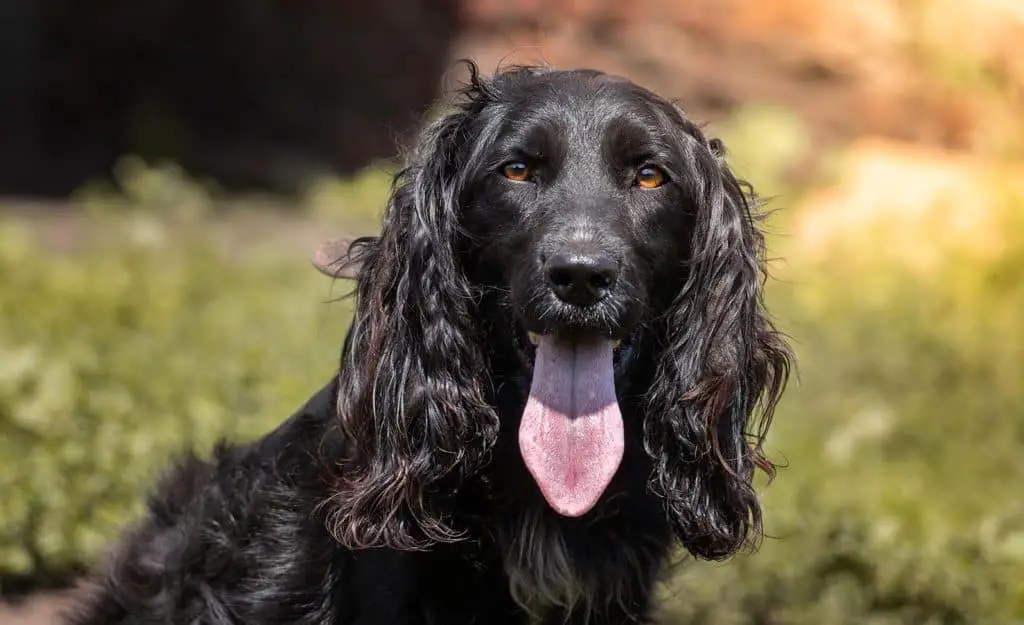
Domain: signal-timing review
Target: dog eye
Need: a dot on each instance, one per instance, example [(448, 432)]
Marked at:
[(516, 171), (650, 177)]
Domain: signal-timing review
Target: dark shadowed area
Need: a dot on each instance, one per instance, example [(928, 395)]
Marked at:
[(254, 94)]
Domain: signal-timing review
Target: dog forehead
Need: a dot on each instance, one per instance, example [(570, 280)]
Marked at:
[(579, 91), (585, 110)]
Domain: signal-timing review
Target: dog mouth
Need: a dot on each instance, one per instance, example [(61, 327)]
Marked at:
[(622, 347), (571, 433)]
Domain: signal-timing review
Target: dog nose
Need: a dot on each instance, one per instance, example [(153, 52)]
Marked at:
[(581, 279)]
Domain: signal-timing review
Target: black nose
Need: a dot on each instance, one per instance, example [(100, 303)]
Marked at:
[(581, 279)]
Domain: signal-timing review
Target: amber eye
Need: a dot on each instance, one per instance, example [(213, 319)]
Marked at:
[(516, 171), (650, 177)]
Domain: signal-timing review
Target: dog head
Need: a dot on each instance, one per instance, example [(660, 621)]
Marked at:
[(584, 225)]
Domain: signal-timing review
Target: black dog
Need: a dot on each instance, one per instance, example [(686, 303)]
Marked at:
[(559, 368)]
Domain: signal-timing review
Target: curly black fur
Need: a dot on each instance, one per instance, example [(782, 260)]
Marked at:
[(397, 495)]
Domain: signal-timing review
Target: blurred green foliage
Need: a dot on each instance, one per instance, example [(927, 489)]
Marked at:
[(900, 499), (360, 198), (765, 144), (899, 503), (150, 340)]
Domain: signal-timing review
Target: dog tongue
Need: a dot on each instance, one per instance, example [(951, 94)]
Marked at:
[(571, 436)]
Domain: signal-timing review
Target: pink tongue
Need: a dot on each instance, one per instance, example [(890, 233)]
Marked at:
[(571, 432)]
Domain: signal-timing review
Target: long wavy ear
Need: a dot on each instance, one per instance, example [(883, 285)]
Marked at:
[(411, 400), (722, 371)]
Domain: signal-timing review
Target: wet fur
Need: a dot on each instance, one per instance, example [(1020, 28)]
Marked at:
[(397, 495)]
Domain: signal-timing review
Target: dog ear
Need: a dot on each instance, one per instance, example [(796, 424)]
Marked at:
[(411, 402), (337, 258), (723, 369)]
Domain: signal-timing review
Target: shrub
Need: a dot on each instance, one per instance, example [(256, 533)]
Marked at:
[(898, 502), (900, 497), (116, 357)]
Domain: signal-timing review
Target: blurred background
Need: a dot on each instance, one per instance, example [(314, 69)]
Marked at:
[(167, 166)]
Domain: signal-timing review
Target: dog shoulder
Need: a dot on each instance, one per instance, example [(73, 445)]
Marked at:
[(232, 536)]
